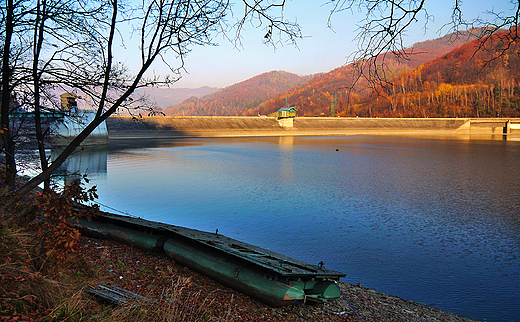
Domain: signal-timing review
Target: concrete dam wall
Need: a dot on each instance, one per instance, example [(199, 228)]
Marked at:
[(121, 127)]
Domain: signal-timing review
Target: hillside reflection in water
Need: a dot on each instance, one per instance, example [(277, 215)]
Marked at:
[(435, 221)]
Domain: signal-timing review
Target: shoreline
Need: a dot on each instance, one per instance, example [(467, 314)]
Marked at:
[(363, 304)]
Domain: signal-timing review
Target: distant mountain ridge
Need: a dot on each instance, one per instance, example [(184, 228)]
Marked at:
[(236, 99), (164, 97)]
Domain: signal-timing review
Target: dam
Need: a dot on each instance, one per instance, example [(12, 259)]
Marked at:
[(127, 127)]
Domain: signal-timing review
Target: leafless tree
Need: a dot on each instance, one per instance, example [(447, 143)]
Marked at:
[(72, 46), (8, 144), (49, 45), (380, 35)]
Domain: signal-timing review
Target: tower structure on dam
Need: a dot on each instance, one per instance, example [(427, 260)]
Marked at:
[(74, 121)]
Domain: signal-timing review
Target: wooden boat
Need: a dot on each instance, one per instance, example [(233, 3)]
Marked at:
[(268, 276)]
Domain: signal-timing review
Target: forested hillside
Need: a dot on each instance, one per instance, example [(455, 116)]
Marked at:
[(234, 100), (331, 94), (473, 80), (445, 77)]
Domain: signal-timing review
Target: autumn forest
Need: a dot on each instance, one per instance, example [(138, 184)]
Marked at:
[(445, 77)]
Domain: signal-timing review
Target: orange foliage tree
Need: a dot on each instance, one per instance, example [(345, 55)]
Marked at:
[(58, 236)]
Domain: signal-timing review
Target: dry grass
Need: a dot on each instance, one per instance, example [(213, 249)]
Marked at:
[(38, 287), (23, 290), (177, 304)]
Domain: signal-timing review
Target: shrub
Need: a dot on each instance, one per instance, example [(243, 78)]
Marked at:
[(58, 236)]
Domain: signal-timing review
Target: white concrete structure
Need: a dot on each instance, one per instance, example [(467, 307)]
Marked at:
[(73, 123)]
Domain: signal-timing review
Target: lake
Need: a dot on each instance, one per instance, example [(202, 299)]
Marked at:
[(431, 220)]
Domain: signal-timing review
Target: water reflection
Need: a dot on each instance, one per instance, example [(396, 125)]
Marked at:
[(286, 166), (125, 144), (85, 160), (92, 160), (286, 142)]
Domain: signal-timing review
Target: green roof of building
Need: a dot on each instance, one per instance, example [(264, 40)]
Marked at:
[(292, 109)]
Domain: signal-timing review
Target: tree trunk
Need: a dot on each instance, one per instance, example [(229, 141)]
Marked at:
[(38, 41), (5, 129), (45, 175)]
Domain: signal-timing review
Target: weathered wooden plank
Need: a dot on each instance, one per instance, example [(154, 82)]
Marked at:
[(117, 295)]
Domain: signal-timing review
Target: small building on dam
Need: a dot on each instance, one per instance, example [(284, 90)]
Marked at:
[(74, 121)]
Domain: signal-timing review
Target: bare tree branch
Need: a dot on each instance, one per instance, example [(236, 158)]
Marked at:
[(164, 27), (380, 34)]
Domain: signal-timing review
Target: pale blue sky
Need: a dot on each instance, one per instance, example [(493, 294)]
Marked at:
[(321, 50)]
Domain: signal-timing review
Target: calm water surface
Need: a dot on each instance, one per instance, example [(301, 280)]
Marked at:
[(434, 221)]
